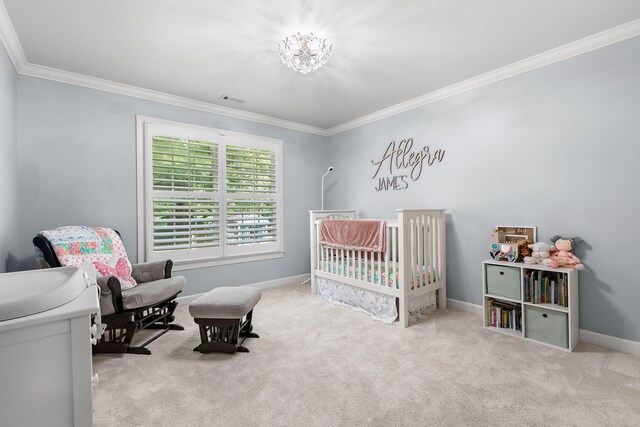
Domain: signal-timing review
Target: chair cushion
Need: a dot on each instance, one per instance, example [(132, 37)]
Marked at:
[(144, 294), (149, 271), (225, 303)]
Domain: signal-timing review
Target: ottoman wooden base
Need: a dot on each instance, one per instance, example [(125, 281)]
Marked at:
[(222, 335)]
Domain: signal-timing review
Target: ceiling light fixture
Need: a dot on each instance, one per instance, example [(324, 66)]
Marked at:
[(304, 52)]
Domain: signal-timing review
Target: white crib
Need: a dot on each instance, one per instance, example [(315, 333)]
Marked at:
[(414, 261)]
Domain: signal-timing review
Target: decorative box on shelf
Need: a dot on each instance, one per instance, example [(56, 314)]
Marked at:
[(533, 302)]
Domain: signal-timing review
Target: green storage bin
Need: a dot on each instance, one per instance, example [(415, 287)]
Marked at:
[(548, 326), (503, 281)]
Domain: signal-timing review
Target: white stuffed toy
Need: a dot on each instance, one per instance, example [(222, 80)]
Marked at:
[(539, 253)]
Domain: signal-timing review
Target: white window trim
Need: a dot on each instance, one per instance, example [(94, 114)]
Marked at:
[(142, 165)]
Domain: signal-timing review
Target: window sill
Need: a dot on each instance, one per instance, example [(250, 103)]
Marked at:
[(191, 264)]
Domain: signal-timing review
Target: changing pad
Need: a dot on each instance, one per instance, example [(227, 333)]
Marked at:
[(30, 292)]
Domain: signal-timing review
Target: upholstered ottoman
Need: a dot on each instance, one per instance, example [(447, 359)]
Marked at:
[(224, 315)]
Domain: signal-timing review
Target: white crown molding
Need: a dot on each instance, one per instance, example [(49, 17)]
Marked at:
[(578, 47), (9, 39), (68, 77), (605, 38)]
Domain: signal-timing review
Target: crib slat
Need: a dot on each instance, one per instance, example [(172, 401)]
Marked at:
[(332, 256), (394, 256), (436, 245), (429, 238), (387, 238), (420, 249), (413, 248), (416, 272), (436, 252), (425, 247), (378, 255), (318, 249), (353, 262), (327, 251), (427, 241), (324, 257), (364, 267)]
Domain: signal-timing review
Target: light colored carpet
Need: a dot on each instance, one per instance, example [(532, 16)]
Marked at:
[(319, 364)]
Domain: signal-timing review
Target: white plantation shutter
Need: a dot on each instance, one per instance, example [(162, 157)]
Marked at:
[(252, 196), (185, 223), (210, 195), (184, 164), (185, 196)]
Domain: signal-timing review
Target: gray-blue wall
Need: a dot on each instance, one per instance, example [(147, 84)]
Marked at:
[(78, 149), (8, 160), (557, 147)]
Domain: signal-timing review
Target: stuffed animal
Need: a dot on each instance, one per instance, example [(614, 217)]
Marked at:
[(562, 255), (539, 254), (524, 249)]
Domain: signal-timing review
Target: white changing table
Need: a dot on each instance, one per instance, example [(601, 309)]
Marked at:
[(45, 364)]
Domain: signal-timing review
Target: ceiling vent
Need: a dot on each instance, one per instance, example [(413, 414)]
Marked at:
[(232, 99)]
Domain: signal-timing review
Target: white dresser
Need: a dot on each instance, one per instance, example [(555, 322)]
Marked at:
[(45, 359)]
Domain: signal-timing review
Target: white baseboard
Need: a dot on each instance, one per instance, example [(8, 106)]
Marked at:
[(464, 306), (262, 285), (607, 341)]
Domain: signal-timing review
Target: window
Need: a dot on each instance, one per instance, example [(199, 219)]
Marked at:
[(207, 194)]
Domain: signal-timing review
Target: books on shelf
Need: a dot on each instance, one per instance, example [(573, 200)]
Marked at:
[(503, 314), (546, 287)]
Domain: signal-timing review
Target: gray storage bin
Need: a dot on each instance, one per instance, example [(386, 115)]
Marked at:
[(503, 281), (548, 326)]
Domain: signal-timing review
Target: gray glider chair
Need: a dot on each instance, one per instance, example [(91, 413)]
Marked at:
[(149, 305)]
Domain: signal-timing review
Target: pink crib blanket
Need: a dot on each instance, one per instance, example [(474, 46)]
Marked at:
[(354, 234)]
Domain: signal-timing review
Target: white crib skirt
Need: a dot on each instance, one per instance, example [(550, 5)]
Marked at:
[(379, 306)]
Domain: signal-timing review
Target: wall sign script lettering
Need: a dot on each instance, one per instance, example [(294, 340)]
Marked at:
[(399, 158)]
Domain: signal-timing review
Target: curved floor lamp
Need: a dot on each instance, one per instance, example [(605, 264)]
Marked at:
[(329, 170)]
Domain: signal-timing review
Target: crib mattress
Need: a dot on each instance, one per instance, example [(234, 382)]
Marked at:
[(369, 272)]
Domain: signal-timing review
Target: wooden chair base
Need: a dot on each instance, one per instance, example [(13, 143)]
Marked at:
[(122, 327), (222, 335)]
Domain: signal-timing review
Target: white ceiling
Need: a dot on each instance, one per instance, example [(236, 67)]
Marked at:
[(384, 52)]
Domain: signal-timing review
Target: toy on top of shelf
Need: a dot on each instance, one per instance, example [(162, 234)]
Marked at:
[(562, 255), (502, 251), (501, 248), (540, 254)]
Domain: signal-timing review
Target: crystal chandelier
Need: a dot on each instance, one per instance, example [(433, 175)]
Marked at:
[(304, 52)]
